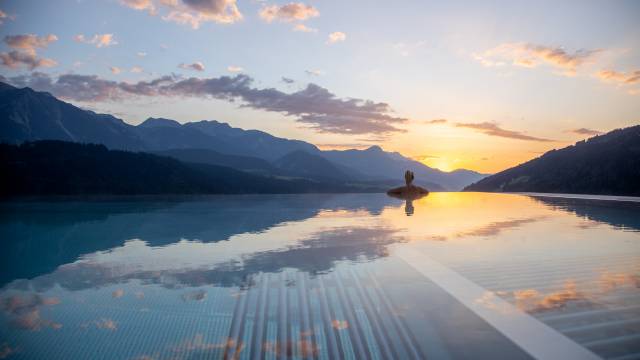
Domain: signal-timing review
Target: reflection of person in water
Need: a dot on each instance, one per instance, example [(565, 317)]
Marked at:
[(409, 192), (408, 207)]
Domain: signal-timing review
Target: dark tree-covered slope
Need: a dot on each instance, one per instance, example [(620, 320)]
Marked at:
[(64, 168), (608, 164)]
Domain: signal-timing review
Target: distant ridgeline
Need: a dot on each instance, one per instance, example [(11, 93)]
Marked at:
[(27, 115), (607, 164)]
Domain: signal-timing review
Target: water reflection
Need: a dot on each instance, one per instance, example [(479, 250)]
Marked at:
[(409, 209), (308, 276)]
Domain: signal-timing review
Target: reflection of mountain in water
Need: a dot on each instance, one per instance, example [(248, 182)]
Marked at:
[(619, 214), (45, 236)]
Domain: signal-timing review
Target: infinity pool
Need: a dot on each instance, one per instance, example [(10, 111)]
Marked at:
[(449, 276)]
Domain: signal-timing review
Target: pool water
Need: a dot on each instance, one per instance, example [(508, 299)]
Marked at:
[(449, 276)]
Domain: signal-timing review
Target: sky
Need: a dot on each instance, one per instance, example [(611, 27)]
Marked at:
[(480, 85)]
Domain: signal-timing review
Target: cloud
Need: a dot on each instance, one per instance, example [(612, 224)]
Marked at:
[(493, 129), (313, 106), (337, 36), (286, 80), (140, 5), (5, 349), (234, 69), (115, 70), (15, 59), (314, 72), (197, 295), (99, 40), (117, 293), (288, 12), (4, 16), (24, 311), (29, 42), (197, 66), (435, 121), (531, 300), (621, 78), (107, 324), (189, 12), (25, 51), (339, 324), (141, 54), (532, 55), (304, 28), (424, 157), (585, 131), (136, 70)]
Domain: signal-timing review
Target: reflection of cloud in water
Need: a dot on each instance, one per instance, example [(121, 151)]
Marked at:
[(339, 324), (197, 295), (315, 253), (495, 228), (531, 300), (6, 350), (534, 301), (24, 311), (107, 324)]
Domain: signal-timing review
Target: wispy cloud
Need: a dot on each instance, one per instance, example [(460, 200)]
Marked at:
[(336, 36), (99, 40), (493, 129), (189, 12), (313, 106), (115, 70), (197, 66), (304, 28), (532, 55), (234, 68), (314, 72), (622, 78), (435, 121), (136, 70), (584, 131)]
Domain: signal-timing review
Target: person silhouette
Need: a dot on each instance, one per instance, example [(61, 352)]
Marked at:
[(408, 178), (409, 192)]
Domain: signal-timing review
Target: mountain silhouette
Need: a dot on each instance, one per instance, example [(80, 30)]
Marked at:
[(607, 164), (28, 115)]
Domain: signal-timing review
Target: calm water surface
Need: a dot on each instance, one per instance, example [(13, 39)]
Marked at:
[(452, 275)]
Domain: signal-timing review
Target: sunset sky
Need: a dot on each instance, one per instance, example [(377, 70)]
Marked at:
[(481, 85)]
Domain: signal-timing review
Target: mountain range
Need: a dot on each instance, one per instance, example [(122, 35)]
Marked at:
[(27, 115), (607, 164)]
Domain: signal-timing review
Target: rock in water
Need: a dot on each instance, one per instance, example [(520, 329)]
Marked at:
[(409, 191)]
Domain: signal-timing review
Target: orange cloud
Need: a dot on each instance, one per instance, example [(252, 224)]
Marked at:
[(532, 55), (630, 78), (289, 12), (190, 12), (99, 40), (339, 324), (531, 300)]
